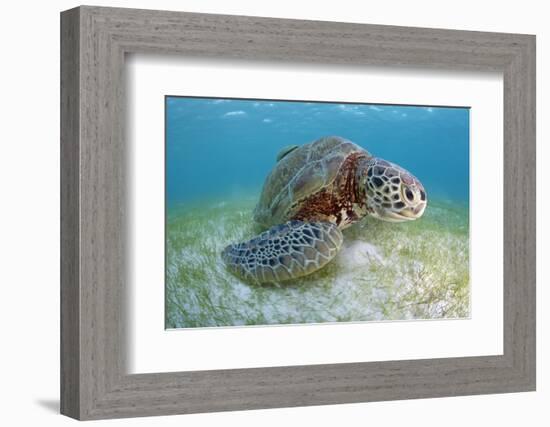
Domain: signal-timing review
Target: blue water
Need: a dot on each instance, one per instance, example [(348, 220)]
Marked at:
[(222, 149)]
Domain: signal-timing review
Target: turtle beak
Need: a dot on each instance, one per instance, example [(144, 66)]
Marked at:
[(401, 216), (413, 213), (391, 216), (407, 214)]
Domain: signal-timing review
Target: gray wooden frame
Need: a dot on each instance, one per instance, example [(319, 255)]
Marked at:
[(94, 382)]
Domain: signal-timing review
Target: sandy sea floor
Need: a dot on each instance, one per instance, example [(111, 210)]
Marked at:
[(385, 271)]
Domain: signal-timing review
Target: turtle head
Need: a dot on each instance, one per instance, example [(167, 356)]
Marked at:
[(393, 194)]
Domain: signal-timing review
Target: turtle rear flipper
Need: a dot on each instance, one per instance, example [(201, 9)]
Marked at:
[(286, 150), (284, 252)]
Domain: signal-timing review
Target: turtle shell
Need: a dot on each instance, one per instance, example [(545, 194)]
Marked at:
[(299, 174)]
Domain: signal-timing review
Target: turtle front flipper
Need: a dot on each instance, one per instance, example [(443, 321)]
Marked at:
[(284, 252)]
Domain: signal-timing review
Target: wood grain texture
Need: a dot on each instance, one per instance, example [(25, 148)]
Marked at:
[(70, 291), (94, 382)]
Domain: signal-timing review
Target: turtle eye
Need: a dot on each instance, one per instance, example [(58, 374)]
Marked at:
[(409, 195)]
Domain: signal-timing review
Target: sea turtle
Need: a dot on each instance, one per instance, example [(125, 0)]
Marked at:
[(314, 191)]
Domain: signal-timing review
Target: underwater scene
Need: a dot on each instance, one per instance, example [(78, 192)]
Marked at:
[(292, 212)]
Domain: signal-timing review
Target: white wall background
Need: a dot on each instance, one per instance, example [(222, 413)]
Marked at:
[(29, 212)]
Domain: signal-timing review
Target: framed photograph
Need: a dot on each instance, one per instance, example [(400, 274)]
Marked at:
[(262, 213)]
